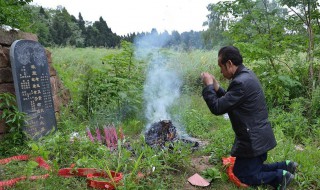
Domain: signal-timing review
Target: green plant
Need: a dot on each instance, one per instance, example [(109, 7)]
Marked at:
[(116, 86), (279, 87), (14, 119), (68, 60), (315, 103), (176, 155), (14, 14), (39, 150), (211, 174), (292, 122)]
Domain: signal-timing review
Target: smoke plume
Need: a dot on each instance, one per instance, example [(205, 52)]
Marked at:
[(162, 85)]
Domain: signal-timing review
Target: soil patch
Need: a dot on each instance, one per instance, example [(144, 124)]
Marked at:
[(198, 164)]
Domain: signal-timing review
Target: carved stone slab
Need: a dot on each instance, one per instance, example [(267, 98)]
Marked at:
[(32, 86)]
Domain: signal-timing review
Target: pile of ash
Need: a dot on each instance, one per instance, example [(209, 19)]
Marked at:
[(163, 131)]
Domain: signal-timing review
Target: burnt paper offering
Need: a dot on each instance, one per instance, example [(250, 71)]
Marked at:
[(32, 86)]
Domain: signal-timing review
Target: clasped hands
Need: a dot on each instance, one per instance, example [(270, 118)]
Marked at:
[(209, 79)]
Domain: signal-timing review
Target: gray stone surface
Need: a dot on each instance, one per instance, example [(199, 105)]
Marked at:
[(32, 86)]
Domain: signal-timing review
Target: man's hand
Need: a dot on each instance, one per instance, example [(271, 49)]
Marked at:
[(209, 79)]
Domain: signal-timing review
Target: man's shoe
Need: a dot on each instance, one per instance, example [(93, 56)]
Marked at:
[(291, 166), (286, 179)]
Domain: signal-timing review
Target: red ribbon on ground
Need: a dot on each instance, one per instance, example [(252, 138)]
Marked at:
[(11, 182), (112, 178), (229, 163), (20, 157)]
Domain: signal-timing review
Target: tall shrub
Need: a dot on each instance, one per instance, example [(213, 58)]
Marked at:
[(116, 87)]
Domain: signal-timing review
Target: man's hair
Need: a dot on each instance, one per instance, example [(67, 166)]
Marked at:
[(230, 53)]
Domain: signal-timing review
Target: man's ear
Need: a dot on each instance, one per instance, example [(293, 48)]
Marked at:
[(229, 63)]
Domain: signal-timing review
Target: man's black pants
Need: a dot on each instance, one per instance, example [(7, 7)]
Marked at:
[(253, 172)]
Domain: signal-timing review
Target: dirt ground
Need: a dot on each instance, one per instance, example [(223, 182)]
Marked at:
[(199, 164)]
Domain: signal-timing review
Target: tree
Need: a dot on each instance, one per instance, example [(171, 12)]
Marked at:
[(261, 31), (129, 37), (40, 20), (105, 36), (306, 12), (217, 23), (43, 13), (42, 27), (13, 13), (176, 38), (91, 34), (60, 30), (81, 24), (165, 37), (64, 29), (77, 38), (191, 40), (257, 27)]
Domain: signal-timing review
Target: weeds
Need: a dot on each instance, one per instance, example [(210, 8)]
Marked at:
[(14, 140), (144, 167)]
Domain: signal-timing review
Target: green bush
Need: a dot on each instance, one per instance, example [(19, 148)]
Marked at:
[(116, 87), (292, 122), (14, 13), (15, 138), (279, 87)]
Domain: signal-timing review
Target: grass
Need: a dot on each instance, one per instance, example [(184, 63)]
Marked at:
[(72, 63), (161, 169)]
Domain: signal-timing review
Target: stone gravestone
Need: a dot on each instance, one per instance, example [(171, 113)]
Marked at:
[(32, 86)]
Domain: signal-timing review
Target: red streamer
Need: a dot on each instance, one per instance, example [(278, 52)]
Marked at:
[(11, 182), (229, 163), (112, 178)]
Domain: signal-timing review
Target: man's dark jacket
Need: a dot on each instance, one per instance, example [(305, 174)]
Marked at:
[(245, 104)]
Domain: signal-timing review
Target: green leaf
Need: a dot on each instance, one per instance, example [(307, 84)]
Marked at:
[(211, 173), (34, 147), (32, 164)]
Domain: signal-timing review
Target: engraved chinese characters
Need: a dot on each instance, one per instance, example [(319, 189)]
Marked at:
[(32, 85)]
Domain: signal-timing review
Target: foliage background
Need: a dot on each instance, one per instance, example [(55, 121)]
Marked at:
[(278, 42)]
